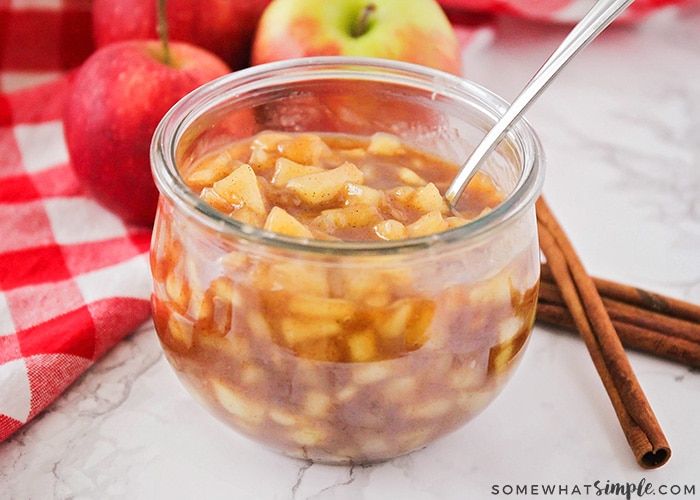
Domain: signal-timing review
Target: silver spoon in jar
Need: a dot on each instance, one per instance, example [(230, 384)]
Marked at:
[(593, 23)]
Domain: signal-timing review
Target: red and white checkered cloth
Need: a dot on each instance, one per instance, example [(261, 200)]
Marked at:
[(73, 279)]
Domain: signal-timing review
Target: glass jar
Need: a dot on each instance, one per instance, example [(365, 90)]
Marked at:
[(253, 322)]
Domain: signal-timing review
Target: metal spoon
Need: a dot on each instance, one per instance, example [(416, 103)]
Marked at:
[(594, 22)]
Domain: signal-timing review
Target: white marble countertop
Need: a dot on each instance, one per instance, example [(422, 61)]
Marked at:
[(622, 133)]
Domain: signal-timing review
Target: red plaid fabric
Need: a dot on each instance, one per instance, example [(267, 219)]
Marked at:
[(73, 279), (41, 38)]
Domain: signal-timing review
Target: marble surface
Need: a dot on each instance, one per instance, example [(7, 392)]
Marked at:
[(622, 133)]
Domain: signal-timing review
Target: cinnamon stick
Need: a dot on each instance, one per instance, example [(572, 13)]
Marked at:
[(620, 311), (639, 297), (588, 312), (632, 336)]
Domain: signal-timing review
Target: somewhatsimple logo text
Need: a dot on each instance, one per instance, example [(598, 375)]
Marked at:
[(608, 488)]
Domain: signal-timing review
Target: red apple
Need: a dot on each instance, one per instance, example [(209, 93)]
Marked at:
[(224, 27), (116, 101), (415, 31)]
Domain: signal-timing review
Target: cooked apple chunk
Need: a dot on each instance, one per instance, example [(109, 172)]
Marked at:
[(353, 216), (408, 176), (363, 346), (357, 194), (241, 185), (237, 404), (382, 143), (296, 330), (210, 169), (430, 223), (428, 199), (286, 169), (214, 199), (390, 230), (321, 307), (322, 187), (307, 149), (281, 222)]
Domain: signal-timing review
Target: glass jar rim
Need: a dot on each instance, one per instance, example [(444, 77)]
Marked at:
[(176, 121)]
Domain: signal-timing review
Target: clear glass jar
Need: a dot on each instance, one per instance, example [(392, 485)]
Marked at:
[(232, 303)]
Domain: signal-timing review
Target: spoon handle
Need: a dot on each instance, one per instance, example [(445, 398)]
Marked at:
[(593, 23)]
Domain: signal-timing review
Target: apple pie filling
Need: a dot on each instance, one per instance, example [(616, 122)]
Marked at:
[(330, 357)]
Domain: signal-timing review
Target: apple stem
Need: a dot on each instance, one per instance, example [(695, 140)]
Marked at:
[(162, 29), (361, 24)]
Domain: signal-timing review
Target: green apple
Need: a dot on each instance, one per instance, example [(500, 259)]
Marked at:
[(415, 31)]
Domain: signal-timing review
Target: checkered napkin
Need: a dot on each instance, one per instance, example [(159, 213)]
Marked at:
[(73, 279)]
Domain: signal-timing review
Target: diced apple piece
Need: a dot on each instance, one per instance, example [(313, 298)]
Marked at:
[(281, 222), (346, 393), (180, 330), (482, 187), (417, 333), (215, 312), (354, 153), (262, 150), (495, 290), (286, 169), (432, 409), (178, 290), (385, 144), (307, 149), (282, 417), (260, 159), (402, 194), (509, 328), (370, 373), (248, 216), (211, 197), (357, 194), (322, 187), (427, 199), (296, 331), (320, 349), (409, 318), (242, 185), (484, 212), (210, 169), (346, 217), (224, 289), (501, 355), (394, 322), (408, 176), (237, 404), (293, 277), (270, 140), (390, 230), (232, 345), (430, 223), (455, 221), (321, 307), (363, 346), (368, 287), (400, 389), (308, 436), (316, 404)]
